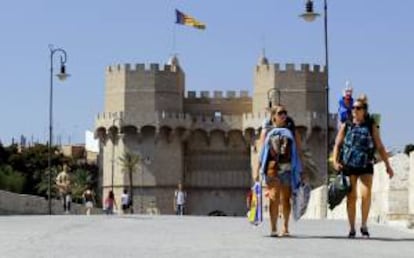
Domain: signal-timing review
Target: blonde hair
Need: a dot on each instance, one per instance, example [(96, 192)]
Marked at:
[(363, 99), (274, 110)]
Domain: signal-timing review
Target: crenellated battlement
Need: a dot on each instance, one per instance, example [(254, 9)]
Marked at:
[(290, 67), (160, 119), (169, 119), (141, 67), (217, 94), (304, 119)]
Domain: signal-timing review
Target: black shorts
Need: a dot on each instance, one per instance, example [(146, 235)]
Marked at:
[(125, 206), (351, 171)]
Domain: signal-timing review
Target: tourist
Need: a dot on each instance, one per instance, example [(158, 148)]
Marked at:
[(180, 197), (280, 166), (353, 153), (63, 184)]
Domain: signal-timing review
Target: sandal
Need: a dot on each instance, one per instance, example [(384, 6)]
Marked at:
[(352, 234), (285, 234), (273, 234), (364, 232)]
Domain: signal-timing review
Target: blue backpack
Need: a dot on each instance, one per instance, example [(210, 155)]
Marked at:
[(358, 148)]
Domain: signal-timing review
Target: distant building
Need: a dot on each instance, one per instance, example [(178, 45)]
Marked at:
[(73, 151), (207, 142), (91, 148)]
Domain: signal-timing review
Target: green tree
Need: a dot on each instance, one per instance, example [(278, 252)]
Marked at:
[(80, 180), (3, 154), (11, 180), (130, 163), (43, 185), (32, 162)]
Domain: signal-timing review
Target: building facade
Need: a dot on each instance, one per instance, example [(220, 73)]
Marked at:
[(205, 140)]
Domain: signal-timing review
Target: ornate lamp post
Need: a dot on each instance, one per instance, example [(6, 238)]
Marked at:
[(62, 75), (309, 15)]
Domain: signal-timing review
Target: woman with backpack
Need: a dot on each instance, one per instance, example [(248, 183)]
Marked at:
[(353, 154), (279, 165)]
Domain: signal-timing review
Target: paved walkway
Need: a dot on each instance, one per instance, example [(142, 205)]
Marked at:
[(170, 236)]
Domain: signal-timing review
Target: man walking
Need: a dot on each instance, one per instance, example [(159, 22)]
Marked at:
[(179, 200), (63, 185)]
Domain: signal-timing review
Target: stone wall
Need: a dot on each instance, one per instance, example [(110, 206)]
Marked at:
[(21, 204), (392, 200)]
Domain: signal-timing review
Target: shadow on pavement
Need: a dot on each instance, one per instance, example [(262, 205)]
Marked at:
[(384, 239)]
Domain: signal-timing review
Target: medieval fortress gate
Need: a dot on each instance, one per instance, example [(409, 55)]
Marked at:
[(206, 142)]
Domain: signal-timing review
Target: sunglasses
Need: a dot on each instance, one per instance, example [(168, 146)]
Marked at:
[(357, 107), (282, 112)]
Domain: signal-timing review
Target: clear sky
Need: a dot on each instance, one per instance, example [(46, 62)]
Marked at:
[(371, 43)]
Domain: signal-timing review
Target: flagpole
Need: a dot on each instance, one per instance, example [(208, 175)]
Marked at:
[(174, 39)]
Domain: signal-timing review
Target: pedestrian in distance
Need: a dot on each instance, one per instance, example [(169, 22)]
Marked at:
[(110, 203), (345, 104), (353, 154), (180, 197), (89, 200), (125, 202), (63, 185), (279, 165)]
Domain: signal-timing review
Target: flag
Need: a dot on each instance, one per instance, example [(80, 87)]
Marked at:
[(185, 19)]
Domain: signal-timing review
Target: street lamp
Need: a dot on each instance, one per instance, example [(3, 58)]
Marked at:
[(113, 149), (310, 16), (271, 93), (62, 75)]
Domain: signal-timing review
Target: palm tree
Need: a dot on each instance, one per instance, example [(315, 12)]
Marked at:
[(42, 187), (130, 163), (81, 179)]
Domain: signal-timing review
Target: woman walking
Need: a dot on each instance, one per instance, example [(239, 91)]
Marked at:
[(353, 154), (110, 203), (280, 166)]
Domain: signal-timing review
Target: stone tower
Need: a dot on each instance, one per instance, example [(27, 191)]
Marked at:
[(140, 89), (205, 141), (301, 90)]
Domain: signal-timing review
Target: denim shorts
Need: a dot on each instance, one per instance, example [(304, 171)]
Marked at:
[(284, 178)]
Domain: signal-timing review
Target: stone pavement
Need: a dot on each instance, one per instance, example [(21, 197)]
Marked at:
[(189, 236)]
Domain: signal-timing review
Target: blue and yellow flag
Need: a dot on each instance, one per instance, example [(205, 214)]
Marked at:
[(185, 19)]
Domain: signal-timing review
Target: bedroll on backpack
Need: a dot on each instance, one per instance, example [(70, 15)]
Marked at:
[(281, 146), (338, 189)]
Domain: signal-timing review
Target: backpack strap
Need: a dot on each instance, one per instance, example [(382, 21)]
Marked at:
[(290, 124), (348, 124)]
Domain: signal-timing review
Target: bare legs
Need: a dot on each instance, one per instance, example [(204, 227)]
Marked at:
[(365, 190), (279, 194), (285, 193), (273, 188), (351, 203)]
